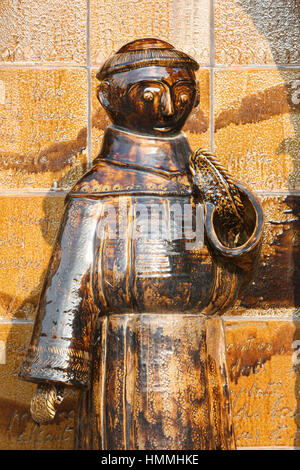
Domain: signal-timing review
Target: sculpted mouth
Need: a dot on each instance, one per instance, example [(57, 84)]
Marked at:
[(162, 129)]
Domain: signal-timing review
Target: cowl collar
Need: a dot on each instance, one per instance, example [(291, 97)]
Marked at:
[(161, 153)]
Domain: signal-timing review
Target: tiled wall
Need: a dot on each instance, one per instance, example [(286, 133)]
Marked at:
[(51, 128)]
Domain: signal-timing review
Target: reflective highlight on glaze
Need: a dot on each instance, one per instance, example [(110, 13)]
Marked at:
[(135, 321)]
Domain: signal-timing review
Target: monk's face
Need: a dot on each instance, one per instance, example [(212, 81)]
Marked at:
[(150, 100)]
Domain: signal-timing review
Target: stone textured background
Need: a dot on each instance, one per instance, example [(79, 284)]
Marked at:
[(51, 128)]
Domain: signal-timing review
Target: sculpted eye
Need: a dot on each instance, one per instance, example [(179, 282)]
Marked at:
[(148, 96), (184, 98)]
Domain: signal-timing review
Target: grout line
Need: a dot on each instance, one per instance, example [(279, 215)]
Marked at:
[(257, 66), (201, 66), (288, 192), (211, 78), (42, 66), (89, 117)]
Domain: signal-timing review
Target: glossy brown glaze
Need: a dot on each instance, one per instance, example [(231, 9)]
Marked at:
[(132, 316), (159, 382)]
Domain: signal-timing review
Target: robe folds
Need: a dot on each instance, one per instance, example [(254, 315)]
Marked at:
[(132, 319)]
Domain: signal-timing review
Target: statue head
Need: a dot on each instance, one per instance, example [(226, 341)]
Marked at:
[(149, 87)]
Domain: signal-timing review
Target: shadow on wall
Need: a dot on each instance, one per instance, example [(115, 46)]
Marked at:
[(15, 417), (274, 29)]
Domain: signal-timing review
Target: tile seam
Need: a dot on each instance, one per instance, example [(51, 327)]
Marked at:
[(89, 97), (226, 318), (22, 192), (219, 67), (42, 66), (211, 76), (257, 66), (201, 66), (290, 192), (96, 66)]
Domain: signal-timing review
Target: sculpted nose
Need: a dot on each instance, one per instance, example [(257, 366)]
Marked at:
[(167, 104)]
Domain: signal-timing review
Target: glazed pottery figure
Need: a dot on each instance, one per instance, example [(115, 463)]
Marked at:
[(155, 244)]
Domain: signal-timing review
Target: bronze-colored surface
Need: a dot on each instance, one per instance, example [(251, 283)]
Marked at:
[(160, 385), (146, 295), (197, 127)]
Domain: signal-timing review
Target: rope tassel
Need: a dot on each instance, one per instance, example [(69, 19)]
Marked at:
[(45, 401)]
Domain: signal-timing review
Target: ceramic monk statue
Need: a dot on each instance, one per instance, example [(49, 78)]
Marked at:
[(155, 244)]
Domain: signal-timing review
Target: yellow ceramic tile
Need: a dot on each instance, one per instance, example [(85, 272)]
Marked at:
[(197, 127), (263, 363), (28, 225), (43, 119), (183, 23), (256, 32), (43, 32), (257, 126), (17, 429)]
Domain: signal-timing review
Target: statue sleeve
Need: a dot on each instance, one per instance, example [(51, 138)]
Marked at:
[(61, 343)]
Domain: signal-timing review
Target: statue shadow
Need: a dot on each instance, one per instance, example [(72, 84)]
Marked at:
[(15, 414), (16, 418)]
